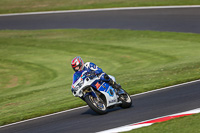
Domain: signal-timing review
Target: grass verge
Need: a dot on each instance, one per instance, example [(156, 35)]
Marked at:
[(16, 6), (36, 74)]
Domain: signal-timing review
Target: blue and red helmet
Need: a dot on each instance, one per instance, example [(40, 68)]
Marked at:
[(77, 64)]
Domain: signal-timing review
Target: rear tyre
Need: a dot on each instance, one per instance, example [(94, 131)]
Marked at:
[(126, 100), (96, 105)]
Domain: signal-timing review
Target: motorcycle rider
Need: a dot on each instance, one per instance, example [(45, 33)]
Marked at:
[(78, 65)]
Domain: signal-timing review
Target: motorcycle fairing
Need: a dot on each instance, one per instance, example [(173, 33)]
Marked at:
[(107, 88), (109, 93), (76, 76)]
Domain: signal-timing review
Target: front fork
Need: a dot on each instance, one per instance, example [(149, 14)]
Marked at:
[(90, 92)]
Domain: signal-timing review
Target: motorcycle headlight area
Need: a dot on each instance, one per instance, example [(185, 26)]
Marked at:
[(78, 85)]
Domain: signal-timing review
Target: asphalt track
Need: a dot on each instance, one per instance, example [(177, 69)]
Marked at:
[(164, 19), (146, 106)]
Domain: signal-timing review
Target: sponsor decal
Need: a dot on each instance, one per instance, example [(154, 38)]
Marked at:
[(103, 86), (112, 101), (97, 85)]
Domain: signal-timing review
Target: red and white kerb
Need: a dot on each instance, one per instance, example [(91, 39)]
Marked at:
[(150, 122)]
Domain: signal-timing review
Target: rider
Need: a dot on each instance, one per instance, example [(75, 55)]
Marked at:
[(78, 65)]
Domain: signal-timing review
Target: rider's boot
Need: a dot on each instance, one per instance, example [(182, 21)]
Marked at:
[(115, 85)]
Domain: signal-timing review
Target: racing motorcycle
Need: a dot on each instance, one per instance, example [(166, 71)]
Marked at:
[(99, 95)]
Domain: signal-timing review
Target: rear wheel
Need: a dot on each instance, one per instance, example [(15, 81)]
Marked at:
[(126, 100), (96, 105)]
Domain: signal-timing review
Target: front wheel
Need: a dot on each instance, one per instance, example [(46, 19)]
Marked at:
[(96, 105), (126, 100)]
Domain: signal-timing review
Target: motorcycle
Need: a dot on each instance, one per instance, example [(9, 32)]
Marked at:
[(99, 95)]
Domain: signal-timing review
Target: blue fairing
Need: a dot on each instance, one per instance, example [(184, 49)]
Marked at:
[(76, 76), (106, 88)]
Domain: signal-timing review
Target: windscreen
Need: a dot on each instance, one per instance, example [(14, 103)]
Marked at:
[(76, 76)]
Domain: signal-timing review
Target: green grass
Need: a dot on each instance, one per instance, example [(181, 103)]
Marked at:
[(189, 124), (36, 75), (16, 6)]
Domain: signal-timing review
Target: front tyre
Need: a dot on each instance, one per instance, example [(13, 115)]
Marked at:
[(96, 105), (126, 100)]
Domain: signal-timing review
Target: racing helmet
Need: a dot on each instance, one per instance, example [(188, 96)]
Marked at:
[(77, 61)]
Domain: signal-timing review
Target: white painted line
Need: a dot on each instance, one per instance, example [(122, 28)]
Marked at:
[(150, 122), (44, 116), (87, 105), (97, 10)]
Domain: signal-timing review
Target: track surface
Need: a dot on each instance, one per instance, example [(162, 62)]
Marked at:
[(146, 106), (178, 20)]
